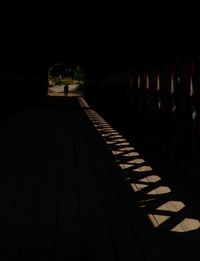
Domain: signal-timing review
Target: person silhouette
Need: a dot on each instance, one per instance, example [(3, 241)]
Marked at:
[(66, 89)]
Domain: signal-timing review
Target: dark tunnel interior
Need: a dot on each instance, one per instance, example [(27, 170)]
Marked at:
[(142, 75)]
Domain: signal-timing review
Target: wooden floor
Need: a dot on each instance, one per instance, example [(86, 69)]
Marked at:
[(72, 188)]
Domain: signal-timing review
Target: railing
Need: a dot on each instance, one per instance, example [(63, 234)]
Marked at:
[(162, 103)]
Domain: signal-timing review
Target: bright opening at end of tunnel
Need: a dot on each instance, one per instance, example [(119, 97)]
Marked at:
[(133, 167), (65, 80)]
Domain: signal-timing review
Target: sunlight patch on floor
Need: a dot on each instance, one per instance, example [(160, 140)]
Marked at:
[(157, 220), (143, 168), (187, 224), (137, 186), (159, 191), (172, 205), (125, 154), (151, 178)]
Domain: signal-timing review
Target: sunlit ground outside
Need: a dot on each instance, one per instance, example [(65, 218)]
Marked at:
[(58, 90), (130, 161), (60, 74)]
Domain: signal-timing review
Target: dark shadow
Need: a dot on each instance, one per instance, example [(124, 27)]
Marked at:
[(66, 89), (151, 191), (155, 212), (58, 102)]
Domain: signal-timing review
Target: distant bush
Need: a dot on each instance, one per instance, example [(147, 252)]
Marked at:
[(58, 82)]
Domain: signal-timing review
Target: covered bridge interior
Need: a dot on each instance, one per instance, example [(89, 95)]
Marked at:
[(143, 78)]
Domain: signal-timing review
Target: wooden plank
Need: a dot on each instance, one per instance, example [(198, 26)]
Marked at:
[(39, 241), (25, 200), (123, 235), (17, 174), (155, 244), (68, 245), (95, 235)]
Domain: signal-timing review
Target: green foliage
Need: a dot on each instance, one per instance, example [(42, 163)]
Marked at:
[(79, 73), (67, 80), (59, 74), (57, 70), (57, 82)]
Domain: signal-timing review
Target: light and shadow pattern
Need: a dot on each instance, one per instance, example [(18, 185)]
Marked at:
[(155, 198)]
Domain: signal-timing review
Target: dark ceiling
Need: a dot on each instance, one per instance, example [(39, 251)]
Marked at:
[(100, 37)]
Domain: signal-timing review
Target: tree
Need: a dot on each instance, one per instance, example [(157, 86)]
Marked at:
[(57, 69), (79, 73)]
